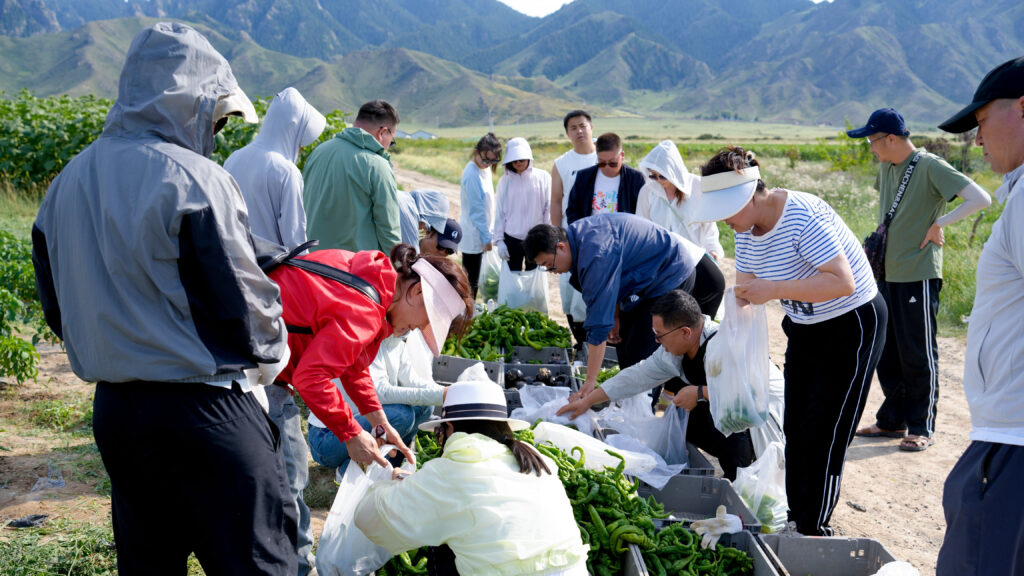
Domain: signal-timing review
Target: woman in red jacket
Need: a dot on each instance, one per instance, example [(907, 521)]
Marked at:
[(334, 331)]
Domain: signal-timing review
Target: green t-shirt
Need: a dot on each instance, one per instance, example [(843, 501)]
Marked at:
[(933, 184)]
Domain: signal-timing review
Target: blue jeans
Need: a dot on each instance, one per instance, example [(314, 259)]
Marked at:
[(285, 415), (328, 451)]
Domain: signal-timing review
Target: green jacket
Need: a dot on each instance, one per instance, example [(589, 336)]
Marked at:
[(350, 194)]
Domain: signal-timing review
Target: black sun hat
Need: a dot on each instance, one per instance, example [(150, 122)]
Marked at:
[(1004, 81)]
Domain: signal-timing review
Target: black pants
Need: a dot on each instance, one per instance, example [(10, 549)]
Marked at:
[(733, 451), (471, 262), (516, 255), (708, 285), (982, 500), (909, 368), (636, 333), (828, 372), (194, 468)]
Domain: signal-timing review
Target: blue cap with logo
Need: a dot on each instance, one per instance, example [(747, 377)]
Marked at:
[(886, 120), (451, 236)]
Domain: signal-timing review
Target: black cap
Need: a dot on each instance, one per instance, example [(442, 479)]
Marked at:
[(1004, 81), (451, 236), (886, 120)]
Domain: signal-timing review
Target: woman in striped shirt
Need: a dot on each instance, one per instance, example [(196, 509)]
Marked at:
[(793, 247)]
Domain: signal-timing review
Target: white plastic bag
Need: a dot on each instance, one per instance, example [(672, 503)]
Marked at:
[(343, 549), (527, 290), (662, 472), (490, 276), (762, 485), (664, 435), (771, 431), (572, 300), (737, 367), (542, 402), (597, 458)]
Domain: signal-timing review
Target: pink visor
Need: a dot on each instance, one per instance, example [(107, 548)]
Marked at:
[(442, 302)]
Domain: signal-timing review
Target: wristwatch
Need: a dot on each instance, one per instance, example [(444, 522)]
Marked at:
[(700, 394)]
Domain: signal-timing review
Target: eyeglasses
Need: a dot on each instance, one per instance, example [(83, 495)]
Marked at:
[(608, 164), (656, 176), (658, 337), (882, 137)]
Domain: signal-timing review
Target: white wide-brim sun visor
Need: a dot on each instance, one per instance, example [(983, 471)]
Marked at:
[(722, 196), (442, 302), (238, 104)]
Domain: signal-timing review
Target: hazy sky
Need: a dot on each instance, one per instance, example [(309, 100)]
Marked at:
[(545, 7)]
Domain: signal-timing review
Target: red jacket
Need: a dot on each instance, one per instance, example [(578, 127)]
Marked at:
[(347, 329)]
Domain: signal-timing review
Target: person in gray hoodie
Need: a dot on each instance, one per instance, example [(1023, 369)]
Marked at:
[(145, 267), (271, 185)]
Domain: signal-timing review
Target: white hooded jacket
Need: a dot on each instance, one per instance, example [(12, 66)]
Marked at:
[(654, 205), (265, 168)]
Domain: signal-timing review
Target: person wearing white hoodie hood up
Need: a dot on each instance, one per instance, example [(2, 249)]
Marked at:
[(271, 185), (265, 168), (669, 185), (524, 200)]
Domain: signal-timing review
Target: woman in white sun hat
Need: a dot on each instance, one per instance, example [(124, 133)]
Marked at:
[(524, 200), (791, 246), (335, 329), (495, 501)]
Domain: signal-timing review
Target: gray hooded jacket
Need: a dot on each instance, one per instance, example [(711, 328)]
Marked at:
[(144, 263), (265, 169)]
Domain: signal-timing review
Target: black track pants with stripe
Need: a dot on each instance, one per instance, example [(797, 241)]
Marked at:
[(828, 372), (909, 368)]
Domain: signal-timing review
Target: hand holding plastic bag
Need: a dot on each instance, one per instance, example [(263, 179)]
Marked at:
[(737, 367), (711, 530)]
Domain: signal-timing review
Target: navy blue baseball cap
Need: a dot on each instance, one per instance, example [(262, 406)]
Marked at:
[(1003, 81), (886, 120), (451, 236)]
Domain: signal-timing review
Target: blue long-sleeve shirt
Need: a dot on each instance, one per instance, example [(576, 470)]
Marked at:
[(477, 208), (621, 259)]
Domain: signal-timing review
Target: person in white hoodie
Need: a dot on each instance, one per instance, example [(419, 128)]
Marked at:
[(265, 168), (524, 200), (271, 185), (669, 185)]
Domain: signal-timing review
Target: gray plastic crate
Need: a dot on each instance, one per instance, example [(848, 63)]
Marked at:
[(549, 355), (817, 556), (448, 368), (691, 498)]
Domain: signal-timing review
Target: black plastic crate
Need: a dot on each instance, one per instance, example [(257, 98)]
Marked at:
[(528, 355)]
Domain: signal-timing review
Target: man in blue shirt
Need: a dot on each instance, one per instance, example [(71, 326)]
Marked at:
[(620, 263)]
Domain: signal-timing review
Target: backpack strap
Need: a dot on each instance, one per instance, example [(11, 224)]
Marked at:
[(340, 276)]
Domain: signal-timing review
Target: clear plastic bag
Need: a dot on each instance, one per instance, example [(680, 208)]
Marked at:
[(738, 367), (490, 276), (665, 435), (597, 458), (762, 485), (527, 290), (662, 472), (343, 549), (542, 402)]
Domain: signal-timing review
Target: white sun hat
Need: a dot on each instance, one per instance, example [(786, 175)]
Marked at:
[(721, 196), (442, 302), (517, 149), (475, 401)]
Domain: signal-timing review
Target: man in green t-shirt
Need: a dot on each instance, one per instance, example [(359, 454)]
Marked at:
[(908, 370)]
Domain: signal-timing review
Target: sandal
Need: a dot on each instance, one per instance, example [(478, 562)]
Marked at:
[(914, 443), (874, 431)]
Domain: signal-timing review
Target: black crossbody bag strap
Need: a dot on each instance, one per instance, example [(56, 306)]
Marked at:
[(902, 189), (341, 276)]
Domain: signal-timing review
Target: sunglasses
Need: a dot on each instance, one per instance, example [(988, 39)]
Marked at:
[(656, 176), (608, 164), (491, 161), (658, 337)]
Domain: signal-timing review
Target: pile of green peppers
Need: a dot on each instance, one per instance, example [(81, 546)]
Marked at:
[(493, 335)]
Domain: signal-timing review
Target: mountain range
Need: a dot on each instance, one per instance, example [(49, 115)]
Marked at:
[(452, 62)]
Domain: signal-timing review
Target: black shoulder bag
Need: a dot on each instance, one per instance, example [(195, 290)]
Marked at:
[(874, 244)]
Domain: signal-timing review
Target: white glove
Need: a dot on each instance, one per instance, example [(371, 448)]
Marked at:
[(503, 251), (270, 372), (713, 528)]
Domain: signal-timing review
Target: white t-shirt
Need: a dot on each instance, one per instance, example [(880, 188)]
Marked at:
[(568, 165), (606, 194), (808, 234)]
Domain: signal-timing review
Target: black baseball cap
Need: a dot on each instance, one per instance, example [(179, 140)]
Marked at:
[(886, 120), (1004, 81), (451, 236)]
